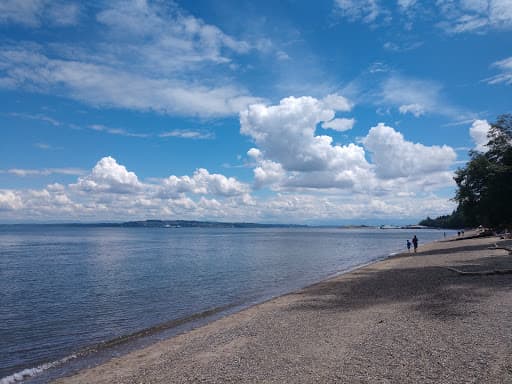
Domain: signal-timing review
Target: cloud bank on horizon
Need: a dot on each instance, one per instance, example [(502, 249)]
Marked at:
[(127, 110)]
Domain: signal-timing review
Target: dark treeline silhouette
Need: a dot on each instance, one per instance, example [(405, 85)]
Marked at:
[(484, 184), (453, 221)]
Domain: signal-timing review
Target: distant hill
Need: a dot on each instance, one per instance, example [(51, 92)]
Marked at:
[(200, 224), (164, 224)]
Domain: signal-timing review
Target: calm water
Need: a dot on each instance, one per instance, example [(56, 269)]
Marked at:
[(66, 288)]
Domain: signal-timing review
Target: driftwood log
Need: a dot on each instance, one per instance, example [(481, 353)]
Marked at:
[(482, 273), (488, 272), (509, 250)]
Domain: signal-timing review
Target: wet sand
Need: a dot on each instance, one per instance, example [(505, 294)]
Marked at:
[(407, 319)]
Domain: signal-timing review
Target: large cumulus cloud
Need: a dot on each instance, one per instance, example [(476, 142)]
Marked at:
[(287, 141), (109, 176), (290, 154), (395, 157), (203, 182)]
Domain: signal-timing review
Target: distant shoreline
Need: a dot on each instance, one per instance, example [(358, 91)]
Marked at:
[(163, 224), (211, 224)]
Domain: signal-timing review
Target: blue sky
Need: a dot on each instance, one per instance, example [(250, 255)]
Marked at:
[(324, 112)]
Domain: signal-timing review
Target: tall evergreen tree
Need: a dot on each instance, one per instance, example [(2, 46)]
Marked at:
[(485, 184)]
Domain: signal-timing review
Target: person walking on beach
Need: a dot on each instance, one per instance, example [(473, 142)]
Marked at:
[(415, 243), (408, 246)]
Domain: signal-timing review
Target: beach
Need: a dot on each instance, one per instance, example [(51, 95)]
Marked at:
[(410, 318)]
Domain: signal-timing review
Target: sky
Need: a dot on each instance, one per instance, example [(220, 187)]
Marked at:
[(291, 111)]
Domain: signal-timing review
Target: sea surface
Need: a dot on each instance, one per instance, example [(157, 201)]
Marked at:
[(72, 296)]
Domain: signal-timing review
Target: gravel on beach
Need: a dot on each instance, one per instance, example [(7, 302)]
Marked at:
[(407, 319)]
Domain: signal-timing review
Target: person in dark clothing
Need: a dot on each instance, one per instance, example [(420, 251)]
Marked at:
[(415, 243)]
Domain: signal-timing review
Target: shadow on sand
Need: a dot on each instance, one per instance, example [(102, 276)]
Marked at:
[(435, 292), (446, 251)]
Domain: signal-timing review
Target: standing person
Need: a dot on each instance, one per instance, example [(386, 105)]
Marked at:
[(408, 245), (415, 243)]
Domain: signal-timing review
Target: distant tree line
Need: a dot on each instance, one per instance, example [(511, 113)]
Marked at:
[(484, 184), (453, 221)]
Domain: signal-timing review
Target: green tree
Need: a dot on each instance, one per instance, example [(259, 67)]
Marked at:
[(484, 185), (453, 221)]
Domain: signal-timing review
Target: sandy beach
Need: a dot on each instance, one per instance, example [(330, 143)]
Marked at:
[(407, 319)]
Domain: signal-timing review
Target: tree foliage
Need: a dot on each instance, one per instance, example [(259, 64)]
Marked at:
[(454, 221), (484, 193)]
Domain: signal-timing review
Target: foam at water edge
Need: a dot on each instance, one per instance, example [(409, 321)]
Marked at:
[(31, 372)]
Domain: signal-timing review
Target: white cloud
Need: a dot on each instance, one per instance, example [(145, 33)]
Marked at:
[(475, 5), (365, 10), (203, 182), (337, 102), (402, 46), (416, 109), (176, 39), (46, 147), (38, 117), (285, 134), (62, 13), (455, 16), (149, 57), (406, 4), (34, 13), (394, 157), (378, 67), (9, 200), (340, 125), (320, 208), (268, 172), (116, 131), (188, 134), (104, 86), (505, 66), (478, 132), (419, 97), (44, 172), (108, 176), (475, 15), (255, 153), (283, 56), (411, 94), (299, 207), (464, 23), (111, 192), (290, 156), (180, 133), (23, 12)]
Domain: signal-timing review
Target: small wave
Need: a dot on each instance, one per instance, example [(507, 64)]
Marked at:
[(148, 332), (31, 372)]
